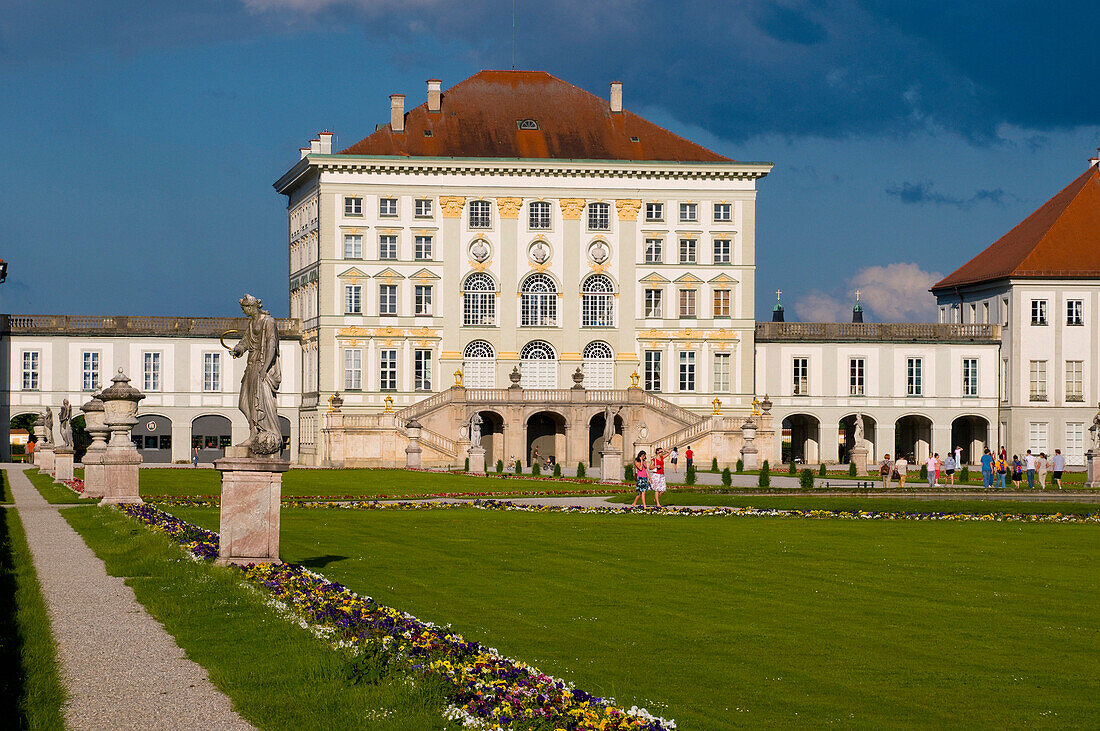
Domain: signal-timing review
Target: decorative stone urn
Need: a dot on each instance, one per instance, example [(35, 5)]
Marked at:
[(121, 457), (515, 377), (749, 454), (96, 425), (412, 452), (578, 378)]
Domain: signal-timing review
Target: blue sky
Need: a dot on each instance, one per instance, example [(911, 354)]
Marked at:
[(142, 138)]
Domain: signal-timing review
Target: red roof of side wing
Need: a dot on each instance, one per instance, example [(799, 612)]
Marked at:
[(1059, 240), (479, 118)]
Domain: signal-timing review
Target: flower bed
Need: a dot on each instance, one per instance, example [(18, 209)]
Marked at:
[(293, 500), (489, 691), (75, 485)]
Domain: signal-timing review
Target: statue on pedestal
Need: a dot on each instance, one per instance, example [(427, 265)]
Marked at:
[(47, 421), (609, 425), (475, 430), (1094, 431), (858, 435), (66, 418), (261, 379)]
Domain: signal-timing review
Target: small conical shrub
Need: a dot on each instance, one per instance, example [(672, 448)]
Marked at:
[(580, 469), (765, 479), (714, 464), (727, 478)]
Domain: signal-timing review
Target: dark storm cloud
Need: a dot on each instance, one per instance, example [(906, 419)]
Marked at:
[(923, 194)]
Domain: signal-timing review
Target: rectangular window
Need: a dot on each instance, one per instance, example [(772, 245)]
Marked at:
[(1038, 438), (1074, 312), (211, 372), (480, 214), (91, 370), (857, 371), (31, 376), (353, 299), (722, 251), (1004, 312), (654, 212), (654, 303), (353, 369), (1074, 380), (353, 246), (422, 299), (688, 249), (422, 208), (1075, 443), (722, 372), (1038, 312), (387, 370), (151, 371), (914, 377), (973, 313), (970, 377), (1004, 379), (387, 246), (689, 212), (422, 370), (422, 248), (985, 313), (723, 212), (538, 215), (1038, 380), (653, 370), (721, 303), (687, 303), (387, 299), (387, 207), (353, 206), (654, 253), (687, 370), (599, 217), (800, 371)]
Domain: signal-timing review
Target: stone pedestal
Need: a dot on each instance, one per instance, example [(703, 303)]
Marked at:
[(63, 465), (44, 458), (611, 465), (120, 477), (1092, 467), (412, 455), (858, 457), (750, 455), (477, 460), (251, 490), (93, 474)]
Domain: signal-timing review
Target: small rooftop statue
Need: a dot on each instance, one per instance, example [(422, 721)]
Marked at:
[(261, 380)]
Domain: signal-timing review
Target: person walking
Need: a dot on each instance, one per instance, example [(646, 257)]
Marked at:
[(657, 476), (932, 468), (958, 458), (689, 458), (1017, 471), (949, 468), (1002, 471), (194, 456), (641, 479), (902, 468), (673, 458), (885, 471), (1058, 465), (1029, 465), (1041, 466), (987, 468)]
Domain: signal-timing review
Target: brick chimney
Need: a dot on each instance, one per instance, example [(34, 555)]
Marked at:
[(617, 97), (397, 112), (433, 94)]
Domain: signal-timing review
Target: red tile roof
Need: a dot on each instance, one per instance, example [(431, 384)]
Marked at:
[(479, 116), (1060, 240)]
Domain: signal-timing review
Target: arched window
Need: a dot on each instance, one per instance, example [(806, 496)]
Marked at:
[(479, 365), (599, 365), (538, 304), (597, 302), (538, 363), (479, 301)]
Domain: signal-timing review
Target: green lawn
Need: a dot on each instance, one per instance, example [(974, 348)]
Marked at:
[(5, 490), (30, 682), (857, 502), (353, 482), (277, 675), (747, 621), (53, 492)]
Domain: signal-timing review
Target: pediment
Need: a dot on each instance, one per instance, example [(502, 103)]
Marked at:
[(353, 273), (389, 273), (688, 279), (723, 279), (654, 278), (424, 274)]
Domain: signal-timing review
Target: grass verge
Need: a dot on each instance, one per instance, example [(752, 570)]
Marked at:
[(747, 621), (5, 489), (52, 491), (277, 675), (30, 680), (869, 504)]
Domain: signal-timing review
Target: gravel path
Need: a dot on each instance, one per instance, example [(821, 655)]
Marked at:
[(121, 668)]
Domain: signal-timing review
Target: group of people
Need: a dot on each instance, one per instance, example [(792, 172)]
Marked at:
[(996, 469), (649, 473)]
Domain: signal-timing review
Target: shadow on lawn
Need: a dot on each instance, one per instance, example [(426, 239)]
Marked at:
[(320, 562), (11, 640)]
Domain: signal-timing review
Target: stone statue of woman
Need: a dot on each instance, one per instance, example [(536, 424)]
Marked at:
[(261, 379), (47, 421), (65, 417), (1094, 430), (608, 425), (475, 430), (858, 437)]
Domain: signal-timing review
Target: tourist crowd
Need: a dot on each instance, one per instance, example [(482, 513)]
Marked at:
[(997, 469)]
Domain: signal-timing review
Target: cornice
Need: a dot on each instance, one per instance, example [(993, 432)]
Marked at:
[(516, 168)]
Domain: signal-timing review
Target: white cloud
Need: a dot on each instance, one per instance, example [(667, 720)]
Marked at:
[(896, 292)]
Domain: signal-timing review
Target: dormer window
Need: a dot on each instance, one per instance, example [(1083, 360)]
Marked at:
[(527, 124)]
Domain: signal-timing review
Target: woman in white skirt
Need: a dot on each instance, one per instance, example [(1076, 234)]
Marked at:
[(657, 476)]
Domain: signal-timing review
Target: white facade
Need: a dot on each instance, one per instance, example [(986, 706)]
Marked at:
[(186, 379)]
